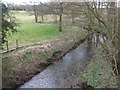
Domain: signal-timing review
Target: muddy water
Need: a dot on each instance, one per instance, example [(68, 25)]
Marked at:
[(64, 73)]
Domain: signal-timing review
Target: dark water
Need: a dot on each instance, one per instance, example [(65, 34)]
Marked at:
[(64, 73)]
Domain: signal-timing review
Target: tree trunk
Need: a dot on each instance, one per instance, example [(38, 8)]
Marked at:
[(60, 20), (42, 18), (35, 15)]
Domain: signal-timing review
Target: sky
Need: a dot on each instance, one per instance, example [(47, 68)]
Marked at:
[(28, 1), (23, 1)]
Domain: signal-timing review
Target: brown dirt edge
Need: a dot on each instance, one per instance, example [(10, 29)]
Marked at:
[(55, 57), (20, 47)]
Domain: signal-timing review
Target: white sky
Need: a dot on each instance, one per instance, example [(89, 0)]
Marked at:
[(23, 1), (28, 1)]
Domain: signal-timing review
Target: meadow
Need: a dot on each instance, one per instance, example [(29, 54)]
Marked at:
[(30, 32)]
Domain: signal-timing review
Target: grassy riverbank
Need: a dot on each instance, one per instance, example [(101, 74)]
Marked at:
[(19, 66), (44, 45), (99, 73)]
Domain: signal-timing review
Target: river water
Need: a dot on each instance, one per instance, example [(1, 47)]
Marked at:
[(64, 73)]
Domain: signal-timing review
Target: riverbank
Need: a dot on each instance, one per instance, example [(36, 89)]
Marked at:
[(65, 73), (21, 65), (99, 73)]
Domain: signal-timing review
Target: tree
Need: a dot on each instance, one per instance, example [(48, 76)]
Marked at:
[(8, 23), (113, 34), (60, 20), (35, 12)]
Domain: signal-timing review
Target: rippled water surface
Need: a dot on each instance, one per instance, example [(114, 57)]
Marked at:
[(62, 74)]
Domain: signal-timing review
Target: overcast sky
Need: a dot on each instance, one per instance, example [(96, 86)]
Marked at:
[(23, 1), (28, 1)]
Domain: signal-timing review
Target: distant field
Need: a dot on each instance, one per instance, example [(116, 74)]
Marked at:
[(30, 32)]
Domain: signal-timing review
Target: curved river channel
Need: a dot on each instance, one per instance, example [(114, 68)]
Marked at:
[(64, 73)]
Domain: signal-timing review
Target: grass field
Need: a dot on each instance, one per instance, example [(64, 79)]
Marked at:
[(30, 32)]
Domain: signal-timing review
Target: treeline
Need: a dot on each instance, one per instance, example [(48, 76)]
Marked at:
[(16, 7)]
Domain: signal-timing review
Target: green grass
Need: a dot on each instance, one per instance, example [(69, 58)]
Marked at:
[(99, 73), (30, 32)]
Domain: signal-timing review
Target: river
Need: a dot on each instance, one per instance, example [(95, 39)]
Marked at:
[(64, 73)]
